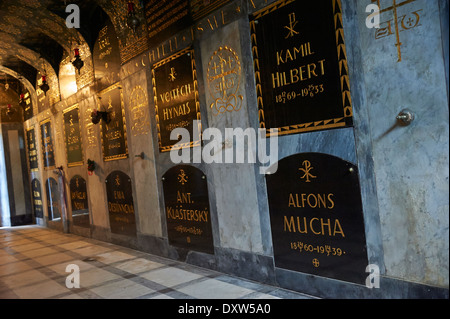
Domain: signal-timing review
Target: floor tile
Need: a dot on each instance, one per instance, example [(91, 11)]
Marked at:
[(13, 268), (39, 252), (113, 256), (95, 276), (41, 290), (122, 289), (53, 259), (170, 277), (214, 289), (138, 265), (24, 278)]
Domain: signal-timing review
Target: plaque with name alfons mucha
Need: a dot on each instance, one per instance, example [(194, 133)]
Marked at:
[(114, 133), (316, 217), (120, 204), (175, 93), (301, 67), (187, 208), (47, 144), (72, 136), (32, 150), (79, 201), (37, 198)]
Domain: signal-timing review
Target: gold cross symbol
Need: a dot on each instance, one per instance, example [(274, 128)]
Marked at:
[(182, 177), (172, 75), (307, 168), (292, 24), (316, 262)]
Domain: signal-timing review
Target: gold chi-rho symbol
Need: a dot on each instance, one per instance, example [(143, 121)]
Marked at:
[(306, 170), (292, 23)]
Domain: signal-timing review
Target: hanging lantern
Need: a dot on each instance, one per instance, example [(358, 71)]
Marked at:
[(10, 110), (132, 21), (22, 102), (78, 63), (44, 86)]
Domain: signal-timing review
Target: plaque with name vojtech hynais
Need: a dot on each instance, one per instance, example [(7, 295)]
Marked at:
[(301, 67), (175, 93), (317, 218), (187, 209), (120, 204)]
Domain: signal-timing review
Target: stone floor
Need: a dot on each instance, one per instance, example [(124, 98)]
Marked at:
[(33, 263)]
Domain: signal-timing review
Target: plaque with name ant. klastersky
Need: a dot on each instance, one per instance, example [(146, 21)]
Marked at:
[(187, 209), (317, 218)]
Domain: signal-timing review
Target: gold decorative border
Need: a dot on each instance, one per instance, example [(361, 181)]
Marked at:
[(194, 143), (120, 156), (65, 137), (343, 70)]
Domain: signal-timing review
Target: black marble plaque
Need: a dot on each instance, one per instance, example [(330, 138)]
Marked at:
[(79, 201), (106, 57), (28, 107), (120, 204), (165, 18), (114, 138), (47, 144), (32, 150), (37, 198), (53, 204), (42, 99), (72, 137), (316, 217), (301, 67), (175, 94), (187, 209)]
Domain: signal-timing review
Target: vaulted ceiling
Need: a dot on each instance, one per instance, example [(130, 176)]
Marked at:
[(34, 36)]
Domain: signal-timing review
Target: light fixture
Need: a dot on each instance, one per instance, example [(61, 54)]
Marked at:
[(22, 102), (77, 63), (10, 110), (132, 21), (44, 86)]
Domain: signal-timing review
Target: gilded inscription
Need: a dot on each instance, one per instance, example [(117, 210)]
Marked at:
[(398, 24), (224, 76)]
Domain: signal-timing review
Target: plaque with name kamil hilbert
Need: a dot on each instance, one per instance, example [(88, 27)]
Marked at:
[(316, 217), (301, 69), (175, 93)]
